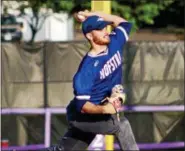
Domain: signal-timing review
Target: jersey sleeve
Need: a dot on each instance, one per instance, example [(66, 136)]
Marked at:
[(82, 84), (121, 33)]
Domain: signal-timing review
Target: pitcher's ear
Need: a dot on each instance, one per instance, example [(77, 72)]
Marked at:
[(89, 36)]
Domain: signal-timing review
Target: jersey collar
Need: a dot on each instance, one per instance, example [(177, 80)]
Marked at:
[(103, 53)]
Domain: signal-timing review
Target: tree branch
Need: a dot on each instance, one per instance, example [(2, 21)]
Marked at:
[(42, 22)]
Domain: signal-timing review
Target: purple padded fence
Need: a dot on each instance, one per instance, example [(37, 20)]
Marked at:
[(24, 148), (49, 111), (161, 108), (151, 146), (63, 110)]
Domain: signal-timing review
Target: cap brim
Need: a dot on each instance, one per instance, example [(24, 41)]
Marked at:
[(103, 25)]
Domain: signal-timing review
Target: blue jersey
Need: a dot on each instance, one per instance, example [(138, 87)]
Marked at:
[(97, 75)]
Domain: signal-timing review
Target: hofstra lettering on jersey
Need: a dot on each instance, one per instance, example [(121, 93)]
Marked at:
[(113, 63)]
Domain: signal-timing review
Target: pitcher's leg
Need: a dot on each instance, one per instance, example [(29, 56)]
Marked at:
[(126, 137), (74, 139)]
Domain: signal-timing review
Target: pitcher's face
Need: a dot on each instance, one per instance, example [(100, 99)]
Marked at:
[(100, 37)]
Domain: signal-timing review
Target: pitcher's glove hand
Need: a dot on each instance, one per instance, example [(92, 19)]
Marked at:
[(118, 92), (117, 97)]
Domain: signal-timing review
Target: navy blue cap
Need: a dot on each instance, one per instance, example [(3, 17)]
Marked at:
[(94, 23)]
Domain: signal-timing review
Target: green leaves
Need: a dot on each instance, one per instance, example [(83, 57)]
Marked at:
[(139, 11), (146, 12), (66, 5)]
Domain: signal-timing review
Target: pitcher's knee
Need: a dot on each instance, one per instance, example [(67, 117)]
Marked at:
[(124, 123)]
